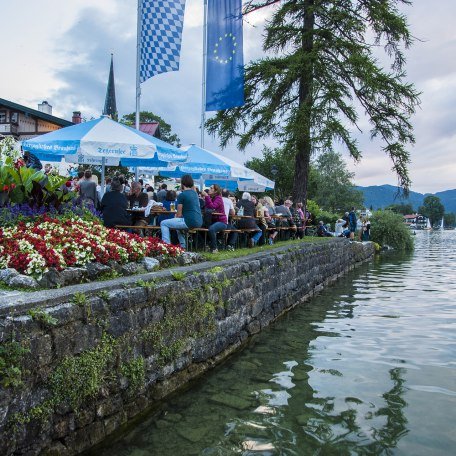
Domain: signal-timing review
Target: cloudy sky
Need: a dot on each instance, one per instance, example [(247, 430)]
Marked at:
[(60, 52)]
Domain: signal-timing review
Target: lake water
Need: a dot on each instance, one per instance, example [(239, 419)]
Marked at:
[(366, 367)]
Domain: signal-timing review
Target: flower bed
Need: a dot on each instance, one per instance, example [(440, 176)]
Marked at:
[(33, 247)]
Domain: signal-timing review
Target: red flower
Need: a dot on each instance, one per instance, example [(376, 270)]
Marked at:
[(5, 188), (68, 184), (13, 186)]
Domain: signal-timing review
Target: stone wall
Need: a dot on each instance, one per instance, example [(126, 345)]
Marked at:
[(77, 363)]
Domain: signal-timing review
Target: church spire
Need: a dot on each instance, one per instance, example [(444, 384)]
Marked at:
[(110, 107)]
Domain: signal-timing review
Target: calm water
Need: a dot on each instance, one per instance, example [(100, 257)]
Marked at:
[(367, 367)]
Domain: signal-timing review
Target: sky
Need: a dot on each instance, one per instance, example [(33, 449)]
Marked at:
[(60, 52)]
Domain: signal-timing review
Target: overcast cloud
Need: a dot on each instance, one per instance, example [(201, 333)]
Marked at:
[(60, 52)]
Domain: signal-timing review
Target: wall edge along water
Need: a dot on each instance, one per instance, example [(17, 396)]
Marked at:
[(89, 359)]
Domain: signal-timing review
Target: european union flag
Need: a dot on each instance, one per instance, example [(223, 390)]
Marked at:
[(225, 60)]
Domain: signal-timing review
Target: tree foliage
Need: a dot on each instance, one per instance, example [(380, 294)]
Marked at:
[(284, 165), (449, 220), (335, 190), (433, 209), (166, 133), (401, 208), (322, 64), (388, 228)]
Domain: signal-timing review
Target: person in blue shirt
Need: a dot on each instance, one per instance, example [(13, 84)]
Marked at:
[(188, 212), (352, 223)]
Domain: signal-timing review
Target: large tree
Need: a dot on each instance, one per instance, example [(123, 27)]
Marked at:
[(166, 133), (335, 190), (433, 209), (324, 67)]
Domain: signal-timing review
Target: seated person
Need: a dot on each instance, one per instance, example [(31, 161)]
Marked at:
[(188, 212), (169, 204), (248, 220), (322, 231), (114, 206), (138, 199), (213, 199)]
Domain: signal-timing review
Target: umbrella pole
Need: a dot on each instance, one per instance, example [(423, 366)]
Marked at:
[(103, 169)]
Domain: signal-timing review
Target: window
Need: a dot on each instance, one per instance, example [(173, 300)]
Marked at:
[(14, 117), (2, 116)]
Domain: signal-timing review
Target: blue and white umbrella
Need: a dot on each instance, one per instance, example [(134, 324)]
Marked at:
[(104, 141), (202, 163), (214, 168)]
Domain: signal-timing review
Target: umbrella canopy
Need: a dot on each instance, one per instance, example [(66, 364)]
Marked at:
[(214, 168), (202, 163), (104, 141)]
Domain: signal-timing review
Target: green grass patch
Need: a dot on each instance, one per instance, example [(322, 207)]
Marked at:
[(226, 254)]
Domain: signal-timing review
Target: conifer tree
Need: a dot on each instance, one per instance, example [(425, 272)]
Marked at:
[(321, 67)]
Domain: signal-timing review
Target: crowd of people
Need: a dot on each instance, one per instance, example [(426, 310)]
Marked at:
[(135, 206)]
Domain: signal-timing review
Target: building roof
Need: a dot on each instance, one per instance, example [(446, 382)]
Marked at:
[(410, 216), (150, 128), (110, 107), (35, 112)]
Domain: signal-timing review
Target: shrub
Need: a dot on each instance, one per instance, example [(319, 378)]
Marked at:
[(388, 228)]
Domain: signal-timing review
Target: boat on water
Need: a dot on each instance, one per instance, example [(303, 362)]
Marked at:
[(428, 225)]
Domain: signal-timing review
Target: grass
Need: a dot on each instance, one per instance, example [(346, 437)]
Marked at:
[(226, 254)]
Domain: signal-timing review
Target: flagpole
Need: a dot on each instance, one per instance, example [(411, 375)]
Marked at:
[(138, 59), (138, 80), (203, 91)]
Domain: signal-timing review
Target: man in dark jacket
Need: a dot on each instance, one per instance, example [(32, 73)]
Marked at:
[(114, 206)]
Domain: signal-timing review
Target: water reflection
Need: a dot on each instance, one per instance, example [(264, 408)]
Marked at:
[(367, 367)]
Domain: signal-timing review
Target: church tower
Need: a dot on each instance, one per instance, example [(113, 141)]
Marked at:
[(110, 107)]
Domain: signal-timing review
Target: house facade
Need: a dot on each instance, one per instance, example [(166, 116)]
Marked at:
[(23, 123)]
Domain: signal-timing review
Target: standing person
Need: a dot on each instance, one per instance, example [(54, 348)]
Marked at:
[(213, 200), (161, 194), (188, 212), (248, 220), (88, 188), (352, 223), (114, 206), (138, 201)]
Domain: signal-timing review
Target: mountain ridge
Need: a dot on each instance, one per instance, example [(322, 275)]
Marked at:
[(381, 196)]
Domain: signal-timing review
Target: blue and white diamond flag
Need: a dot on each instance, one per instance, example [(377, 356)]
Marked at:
[(161, 35)]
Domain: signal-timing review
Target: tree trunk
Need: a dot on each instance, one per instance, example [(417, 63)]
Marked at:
[(303, 137)]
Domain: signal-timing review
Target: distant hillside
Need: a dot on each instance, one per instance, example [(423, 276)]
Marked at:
[(380, 196)]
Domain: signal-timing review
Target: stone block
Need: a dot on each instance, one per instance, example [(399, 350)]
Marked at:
[(97, 270), (23, 281), (52, 279)]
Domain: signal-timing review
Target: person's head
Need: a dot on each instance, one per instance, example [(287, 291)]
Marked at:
[(321, 223), (225, 193), (186, 181), (269, 201), (170, 195), (346, 214), (116, 185), (214, 190), (108, 180), (288, 203), (150, 189), (121, 179), (353, 208), (299, 205), (164, 186), (135, 188), (280, 202), (254, 199), (141, 182), (247, 196), (80, 174), (88, 174)]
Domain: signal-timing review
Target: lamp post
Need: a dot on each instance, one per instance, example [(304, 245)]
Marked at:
[(274, 172)]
